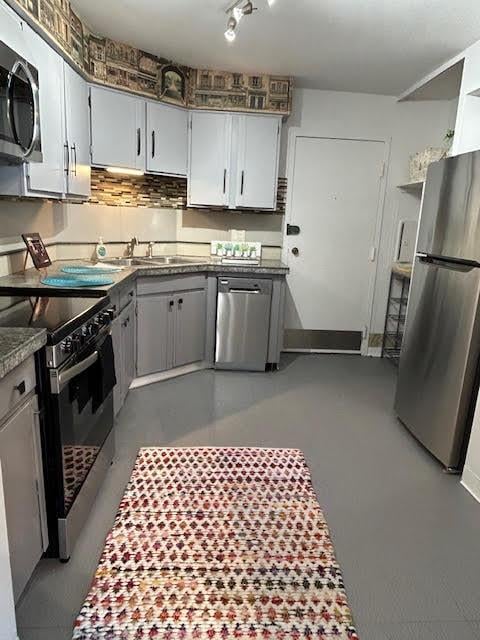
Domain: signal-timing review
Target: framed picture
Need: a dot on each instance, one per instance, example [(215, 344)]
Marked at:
[(37, 250), (173, 84)]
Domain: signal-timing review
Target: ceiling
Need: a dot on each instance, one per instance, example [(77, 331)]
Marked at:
[(371, 46)]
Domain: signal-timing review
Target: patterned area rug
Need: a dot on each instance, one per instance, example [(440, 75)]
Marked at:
[(218, 544)]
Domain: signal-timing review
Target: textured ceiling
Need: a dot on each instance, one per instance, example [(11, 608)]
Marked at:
[(373, 46)]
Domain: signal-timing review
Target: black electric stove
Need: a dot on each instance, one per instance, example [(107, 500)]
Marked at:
[(75, 378)]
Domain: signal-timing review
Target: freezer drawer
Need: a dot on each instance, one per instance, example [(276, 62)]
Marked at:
[(438, 364), (243, 323)]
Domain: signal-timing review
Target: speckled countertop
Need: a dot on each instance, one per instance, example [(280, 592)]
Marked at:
[(16, 345), (25, 283)]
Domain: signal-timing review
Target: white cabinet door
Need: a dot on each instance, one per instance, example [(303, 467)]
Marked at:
[(257, 161), (77, 146), (117, 129), (209, 162), (47, 177), (167, 139), (11, 32)]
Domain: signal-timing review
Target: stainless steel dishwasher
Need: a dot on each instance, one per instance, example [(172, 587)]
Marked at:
[(243, 323)]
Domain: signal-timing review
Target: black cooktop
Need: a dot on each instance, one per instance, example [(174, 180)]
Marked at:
[(59, 316)]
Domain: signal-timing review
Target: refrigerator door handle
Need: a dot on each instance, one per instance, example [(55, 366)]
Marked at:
[(445, 262)]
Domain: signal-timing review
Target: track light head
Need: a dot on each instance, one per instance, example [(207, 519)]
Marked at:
[(230, 33), (248, 9)]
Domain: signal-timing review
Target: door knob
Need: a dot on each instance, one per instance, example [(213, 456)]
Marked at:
[(295, 251)]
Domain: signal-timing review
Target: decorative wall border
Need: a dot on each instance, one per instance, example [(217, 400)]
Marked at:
[(120, 65)]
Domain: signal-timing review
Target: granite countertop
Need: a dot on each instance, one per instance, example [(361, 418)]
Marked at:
[(24, 283), (16, 345)]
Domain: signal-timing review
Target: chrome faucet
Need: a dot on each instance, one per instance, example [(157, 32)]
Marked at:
[(150, 249), (131, 246)]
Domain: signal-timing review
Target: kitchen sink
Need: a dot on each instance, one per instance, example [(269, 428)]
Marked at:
[(155, 260)]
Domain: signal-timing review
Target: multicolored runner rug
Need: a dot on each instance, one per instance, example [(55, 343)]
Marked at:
[(216, 544)]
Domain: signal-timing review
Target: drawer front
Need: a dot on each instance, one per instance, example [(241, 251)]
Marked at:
[(152, 285), (127, 295), (16, 386)]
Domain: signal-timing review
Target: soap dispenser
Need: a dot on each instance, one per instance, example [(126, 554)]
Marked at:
[(101, 250)]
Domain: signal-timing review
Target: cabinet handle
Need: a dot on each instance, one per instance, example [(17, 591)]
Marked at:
[(224, 180), (74, 149), (171, 303), (180, 302), (139, 142), (243, 183), (153, 144), (67, 158), (21, 388)]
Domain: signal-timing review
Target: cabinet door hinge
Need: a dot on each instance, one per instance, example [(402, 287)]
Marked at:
[(373, 254), (90, 100), (365, 332), (383, 168)]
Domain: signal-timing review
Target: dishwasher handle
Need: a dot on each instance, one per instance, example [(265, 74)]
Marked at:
[(255, 291)]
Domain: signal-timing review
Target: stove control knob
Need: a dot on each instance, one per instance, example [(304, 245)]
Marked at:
[(111, 313), (105, 318), (67, 346)]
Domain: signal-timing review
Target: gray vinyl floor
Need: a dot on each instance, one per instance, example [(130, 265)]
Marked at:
[(407, 536)]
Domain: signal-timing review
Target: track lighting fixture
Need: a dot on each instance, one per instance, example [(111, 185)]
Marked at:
[(230, 34), (236, 12)]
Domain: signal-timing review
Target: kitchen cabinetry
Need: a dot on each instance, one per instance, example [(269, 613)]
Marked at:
[(117, 129), (167, 139), (209, 161), (233, 160), (124, 345), (65, 169), (257, 162), (77, 143), (171, 323), (22, 472)]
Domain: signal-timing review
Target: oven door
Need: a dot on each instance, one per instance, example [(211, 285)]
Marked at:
[(83, 420), (19, 109)]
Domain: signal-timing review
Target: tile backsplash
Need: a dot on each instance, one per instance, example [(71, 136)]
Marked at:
[(155, 191)]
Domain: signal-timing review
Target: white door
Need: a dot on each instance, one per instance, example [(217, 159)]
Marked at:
[(167, 139), (47, 177), (257, 168), (209, 165), (117, 129), (77, 146), (336, 190)]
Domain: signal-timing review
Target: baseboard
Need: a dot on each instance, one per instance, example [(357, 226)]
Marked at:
[(471, 482), (153, 378)]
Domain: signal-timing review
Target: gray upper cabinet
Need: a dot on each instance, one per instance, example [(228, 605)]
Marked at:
[(77, 144), (190, 326), (233, 160), (153, 331), (20, 454), (117, 126), (167, 139)]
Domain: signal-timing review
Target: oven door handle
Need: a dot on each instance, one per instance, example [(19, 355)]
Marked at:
[(76, 370)]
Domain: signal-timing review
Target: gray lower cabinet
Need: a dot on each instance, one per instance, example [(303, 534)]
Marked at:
[(20, 454), (190, 321), (124, 338), (171, 330)]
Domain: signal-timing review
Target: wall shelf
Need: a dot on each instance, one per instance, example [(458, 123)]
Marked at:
[(412, 186)]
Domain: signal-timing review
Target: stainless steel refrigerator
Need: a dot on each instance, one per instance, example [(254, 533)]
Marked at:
[(438, 372)]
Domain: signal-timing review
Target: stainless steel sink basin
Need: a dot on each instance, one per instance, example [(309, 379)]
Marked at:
[(155, 260), (174, 260), (126, 262)]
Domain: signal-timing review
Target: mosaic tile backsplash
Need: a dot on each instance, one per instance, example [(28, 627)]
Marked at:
[(155, 191), (120, 65)]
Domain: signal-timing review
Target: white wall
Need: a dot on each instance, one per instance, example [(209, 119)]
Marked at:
[(410, 126), (78, 227), (8, 629)]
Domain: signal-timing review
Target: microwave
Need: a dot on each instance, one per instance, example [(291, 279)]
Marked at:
[(20, 136)]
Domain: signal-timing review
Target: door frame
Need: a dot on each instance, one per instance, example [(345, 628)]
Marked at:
[(297, 132)]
